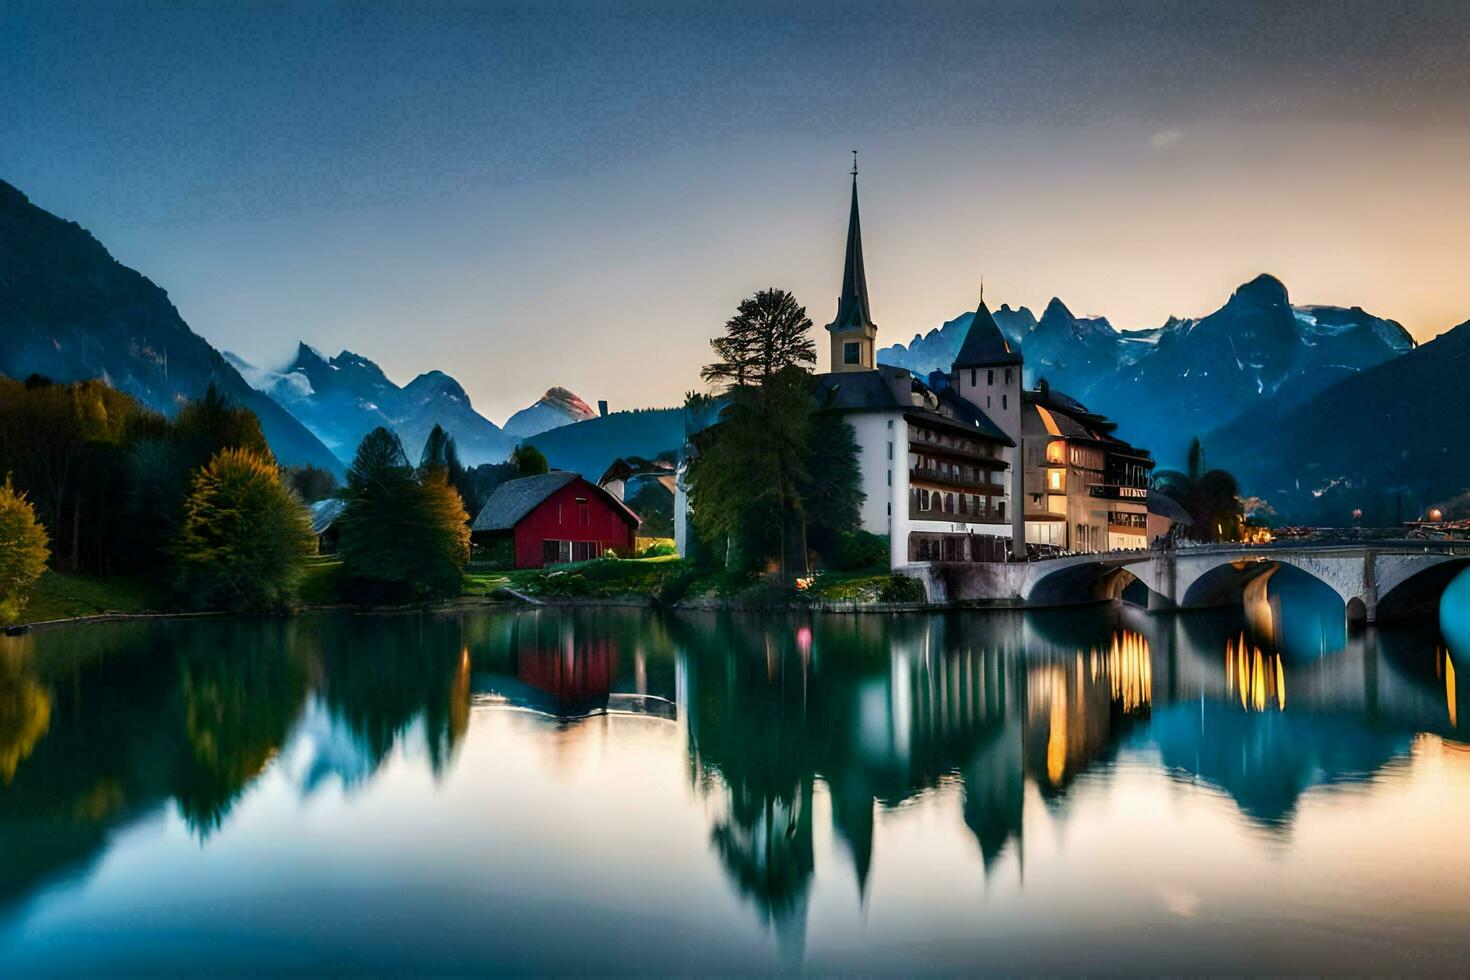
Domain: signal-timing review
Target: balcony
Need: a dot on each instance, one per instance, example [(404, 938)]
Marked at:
[(986, 515), (1112, 491), (931, 475)]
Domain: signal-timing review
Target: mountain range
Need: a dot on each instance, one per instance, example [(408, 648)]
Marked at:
[(1322, 410), (1196, 375), (70, 311)]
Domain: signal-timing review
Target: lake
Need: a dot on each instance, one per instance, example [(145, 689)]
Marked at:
[(611, 791)]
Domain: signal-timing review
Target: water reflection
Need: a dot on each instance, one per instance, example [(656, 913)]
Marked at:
[(788, 727)]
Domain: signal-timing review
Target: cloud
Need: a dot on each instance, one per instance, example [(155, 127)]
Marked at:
[(1165, 138)]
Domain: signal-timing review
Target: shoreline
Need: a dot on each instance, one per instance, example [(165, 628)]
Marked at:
[(513, 599)]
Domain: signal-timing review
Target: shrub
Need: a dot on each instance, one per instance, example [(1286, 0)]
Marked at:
[(902, 588), (245, 536), (859, 549), (659, 549), (23, 551)]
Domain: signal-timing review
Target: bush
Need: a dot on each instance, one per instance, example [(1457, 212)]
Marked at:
[(856, 550), (245, 536), (659, 549), (403, 534), (23, 551), (902, 588)]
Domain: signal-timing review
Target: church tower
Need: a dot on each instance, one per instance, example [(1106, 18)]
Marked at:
[(987, 374), (854, 334)]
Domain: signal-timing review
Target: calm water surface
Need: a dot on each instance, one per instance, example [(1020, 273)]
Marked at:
[(618, 791)]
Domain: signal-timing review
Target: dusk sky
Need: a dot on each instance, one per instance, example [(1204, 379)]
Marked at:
[(579, 195)]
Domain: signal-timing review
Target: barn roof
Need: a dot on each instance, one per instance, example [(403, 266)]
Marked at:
[(514, 499), (324, 514)]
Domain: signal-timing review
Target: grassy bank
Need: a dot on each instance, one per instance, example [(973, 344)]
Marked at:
[(61, 596), (665, 578)]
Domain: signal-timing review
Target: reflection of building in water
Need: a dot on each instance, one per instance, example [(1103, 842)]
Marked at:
[(1257, 679), (1077, 709), (565, 665)]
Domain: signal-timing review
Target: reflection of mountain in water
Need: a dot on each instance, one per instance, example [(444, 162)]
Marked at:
[(1267, 760)]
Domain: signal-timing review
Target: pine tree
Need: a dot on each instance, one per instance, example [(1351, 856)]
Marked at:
[(769, 332)]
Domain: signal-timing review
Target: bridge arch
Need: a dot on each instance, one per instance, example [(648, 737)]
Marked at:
[(1224, 583), (1408, 591), (1083, 579)]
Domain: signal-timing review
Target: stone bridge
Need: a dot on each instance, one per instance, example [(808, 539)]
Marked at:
[(1378, 581)]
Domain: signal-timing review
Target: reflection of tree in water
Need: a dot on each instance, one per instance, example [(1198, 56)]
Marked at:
[(25, 715), (240, 691), (748, 722), (380, 675)]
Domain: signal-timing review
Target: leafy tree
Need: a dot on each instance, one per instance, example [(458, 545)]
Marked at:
[(745, 487), (1212, 497), (23, 551), (655, 505), (402, 534), (529, 461), (311, 483), (832, 493), (245, 536), (769, 332)]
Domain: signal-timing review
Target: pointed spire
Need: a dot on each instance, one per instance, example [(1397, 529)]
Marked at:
[(985, 344), (852, 306)]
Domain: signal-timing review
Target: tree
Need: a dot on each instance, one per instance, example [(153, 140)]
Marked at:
[(529, 461), (245, 537), (23, 551), (745, 487), (402, 533), (655, 505), (832, 492), (1212, 497), (441, 455), (311, 483), (769, 332)]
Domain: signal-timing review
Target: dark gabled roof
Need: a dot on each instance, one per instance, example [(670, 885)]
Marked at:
[(1046, 411), (967, 412), (984, 344), (867, 391), (1166, 506), (852, 306), (859, 391), (324, 514), (514, 499)]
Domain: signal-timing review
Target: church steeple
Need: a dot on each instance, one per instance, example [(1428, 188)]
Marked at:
[(853, 331)]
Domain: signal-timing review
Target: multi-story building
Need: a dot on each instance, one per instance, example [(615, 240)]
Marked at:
[(942, 461), (1085, 489)]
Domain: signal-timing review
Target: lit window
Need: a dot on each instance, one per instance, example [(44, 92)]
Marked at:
[(1054, 452), (1055, 480)]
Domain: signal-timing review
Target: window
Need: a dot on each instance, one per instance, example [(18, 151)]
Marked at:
[(851, 352), (584, 513), (1055, 452), (1056, 480), (1008, 375), (555, 552), (972, 377), (1005, 400), (987, 401), (585, 550), (890, 450), (990, 377)]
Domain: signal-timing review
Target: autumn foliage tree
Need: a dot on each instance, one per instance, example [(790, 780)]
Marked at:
[(245, 536), (23, 551)]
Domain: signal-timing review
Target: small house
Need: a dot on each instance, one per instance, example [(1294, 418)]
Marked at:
[(324, 516), (553, 518)]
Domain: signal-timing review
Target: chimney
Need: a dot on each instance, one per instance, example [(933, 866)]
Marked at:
[(602, 407)]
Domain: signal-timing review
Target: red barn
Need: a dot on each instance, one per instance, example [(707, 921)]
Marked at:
[(554, 518)]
